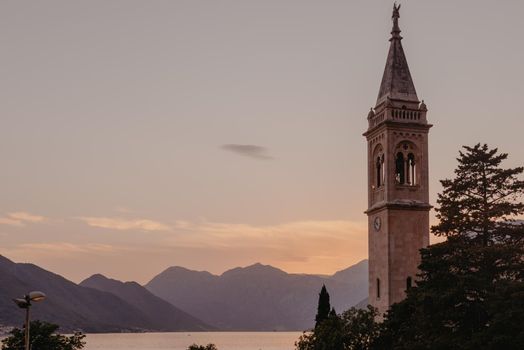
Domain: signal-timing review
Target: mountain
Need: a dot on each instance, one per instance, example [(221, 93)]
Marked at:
[(357, 272), (70, 305), (165, 316), (258, 297)]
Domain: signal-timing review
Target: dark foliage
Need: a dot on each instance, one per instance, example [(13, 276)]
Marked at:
[(470, 293), (324, 306), (202, 347), (480, 204), (43, 336), (355, 329)]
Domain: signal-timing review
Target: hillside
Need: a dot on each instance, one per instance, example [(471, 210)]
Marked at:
[(165, 316), (68, 304), (258, 297)]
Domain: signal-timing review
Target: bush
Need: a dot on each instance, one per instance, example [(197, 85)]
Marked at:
[(43, 336), (202, 347)]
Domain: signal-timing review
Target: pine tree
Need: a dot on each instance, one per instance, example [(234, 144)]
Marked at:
[(324, 307), (480, 204), (470, 293)]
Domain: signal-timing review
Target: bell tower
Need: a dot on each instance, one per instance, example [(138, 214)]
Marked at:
[(398, 193)]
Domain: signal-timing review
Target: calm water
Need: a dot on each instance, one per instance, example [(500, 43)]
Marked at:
[(180, 341)]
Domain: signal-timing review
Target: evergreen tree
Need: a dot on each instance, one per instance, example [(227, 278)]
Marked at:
[(324, 306), (470, 293), (480, 204)]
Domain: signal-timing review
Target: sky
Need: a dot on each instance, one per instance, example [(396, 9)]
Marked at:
[(138, 135)]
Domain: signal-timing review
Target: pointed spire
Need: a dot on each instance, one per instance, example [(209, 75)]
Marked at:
[(396, 81), (395, 31)]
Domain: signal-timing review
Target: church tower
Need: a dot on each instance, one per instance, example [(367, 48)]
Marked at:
[(398, 193)]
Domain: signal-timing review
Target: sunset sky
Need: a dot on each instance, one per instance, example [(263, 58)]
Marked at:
[(137, 135)]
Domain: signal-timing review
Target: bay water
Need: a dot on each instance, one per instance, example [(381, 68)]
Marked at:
[(180, 340)]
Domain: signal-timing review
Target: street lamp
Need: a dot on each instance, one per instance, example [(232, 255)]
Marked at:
[(25, 303)]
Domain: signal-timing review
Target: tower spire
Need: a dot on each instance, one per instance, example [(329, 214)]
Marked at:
[(395, 31), (397, 83)]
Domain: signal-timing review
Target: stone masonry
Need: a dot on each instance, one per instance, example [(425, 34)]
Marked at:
[(398, 192)]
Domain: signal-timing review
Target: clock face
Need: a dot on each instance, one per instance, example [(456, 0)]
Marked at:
[(377, 223)]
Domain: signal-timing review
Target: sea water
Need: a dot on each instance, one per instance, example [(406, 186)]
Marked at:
[(180, 341)]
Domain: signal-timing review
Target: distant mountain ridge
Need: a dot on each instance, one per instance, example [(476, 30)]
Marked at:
[(258, 297), (163, 315), (72, 306)]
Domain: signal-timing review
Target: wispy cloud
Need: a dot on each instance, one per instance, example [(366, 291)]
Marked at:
[(11, 222), (125, 224), (307, 246), (251, 151), (59, 251), (314, 246), (65, 247), (23, 216), (20, 218)]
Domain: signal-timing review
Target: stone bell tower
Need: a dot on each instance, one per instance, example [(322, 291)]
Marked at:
[(398, 193)]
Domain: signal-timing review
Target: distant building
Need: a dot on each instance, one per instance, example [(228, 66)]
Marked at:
[(398, 193)]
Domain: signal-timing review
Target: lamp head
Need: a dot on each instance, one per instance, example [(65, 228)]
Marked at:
[(35, 296), (22, 303)]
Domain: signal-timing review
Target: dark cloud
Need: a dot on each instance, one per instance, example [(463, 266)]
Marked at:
[(252, 151)]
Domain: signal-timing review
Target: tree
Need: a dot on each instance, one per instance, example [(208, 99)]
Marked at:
[(355, 329), (481, 203), (202, 347), (324, 306), (327, 335), (360, 328), (43, 336), (470, 292)]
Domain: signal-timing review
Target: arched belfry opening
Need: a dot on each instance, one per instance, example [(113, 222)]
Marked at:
[(412, 174), (379, 172), (406, 164), (399, 169), (380, 169), (409, 283)]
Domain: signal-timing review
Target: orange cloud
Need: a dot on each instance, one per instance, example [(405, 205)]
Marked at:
[(58, 250), (20, 218), (23, 216), (322, 246), (11, 222), (125, 224), (64, 247)]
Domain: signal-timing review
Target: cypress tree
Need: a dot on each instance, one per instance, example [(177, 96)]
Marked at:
[(324, 307)]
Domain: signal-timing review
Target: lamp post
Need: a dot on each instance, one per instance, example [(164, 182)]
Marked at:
[(25, 303)]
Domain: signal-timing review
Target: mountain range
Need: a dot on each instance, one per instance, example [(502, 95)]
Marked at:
[(255, 298), (75, 307), (258, 297)]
